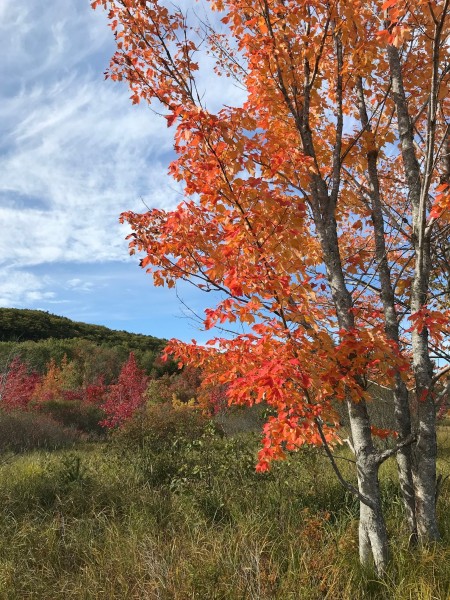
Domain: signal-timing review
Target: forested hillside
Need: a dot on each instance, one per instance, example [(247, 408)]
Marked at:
[(19, 325), (78, 374), (37, 337)]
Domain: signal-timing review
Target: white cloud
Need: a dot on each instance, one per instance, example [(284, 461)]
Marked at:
[(19, 288), (74, 282), (73, 149), (74, 153), (80, 285)]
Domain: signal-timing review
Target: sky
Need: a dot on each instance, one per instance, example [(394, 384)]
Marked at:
[(74, 154)]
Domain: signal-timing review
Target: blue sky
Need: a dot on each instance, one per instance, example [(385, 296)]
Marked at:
[(74, 154)]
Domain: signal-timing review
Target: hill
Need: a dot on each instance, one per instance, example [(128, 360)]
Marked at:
[(20, 325)]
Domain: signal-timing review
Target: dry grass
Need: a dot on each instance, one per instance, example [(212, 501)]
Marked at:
[(95, 524)]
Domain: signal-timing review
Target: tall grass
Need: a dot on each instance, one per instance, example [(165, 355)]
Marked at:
[(103, 521)]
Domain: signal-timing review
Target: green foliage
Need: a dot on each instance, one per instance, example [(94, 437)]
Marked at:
[(77, 415), (19, 325), (37, 337), (88, 523), (91, 360), (155, 439), (160, 426), (181, 386), (236, 419)]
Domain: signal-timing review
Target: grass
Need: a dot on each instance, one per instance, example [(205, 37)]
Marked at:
[(103, 521)]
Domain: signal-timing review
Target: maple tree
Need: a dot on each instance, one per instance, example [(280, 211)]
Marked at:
[(17, 386), (318, 210), (126, 396), (94, 393)]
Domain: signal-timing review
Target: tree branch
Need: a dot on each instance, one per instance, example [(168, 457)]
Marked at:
[(382, 456)]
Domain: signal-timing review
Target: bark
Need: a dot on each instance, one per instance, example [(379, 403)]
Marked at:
[(425, 452), (402, 412), (426, 448), (373, 542)]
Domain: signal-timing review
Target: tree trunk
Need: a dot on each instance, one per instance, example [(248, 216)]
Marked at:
[(425, 472), (405, 458), (402, 413), (373, 543), (425, 452), (372, 530)]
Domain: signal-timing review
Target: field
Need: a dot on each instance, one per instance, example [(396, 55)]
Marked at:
[(188, 517)]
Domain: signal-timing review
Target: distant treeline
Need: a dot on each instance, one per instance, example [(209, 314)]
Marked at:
[(19, 325), (37, 337)]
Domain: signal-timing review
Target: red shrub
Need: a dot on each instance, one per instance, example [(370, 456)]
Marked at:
[(17, 386), (126, 396)]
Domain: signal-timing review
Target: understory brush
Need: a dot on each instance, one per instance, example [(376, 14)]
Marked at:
[(23, 431), (188, 517), (79, 416)]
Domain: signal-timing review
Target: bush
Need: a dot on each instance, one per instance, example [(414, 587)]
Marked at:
[(158, 426), (237, 419), (182, 386), (158, 441), (75, 414), (21, 432)]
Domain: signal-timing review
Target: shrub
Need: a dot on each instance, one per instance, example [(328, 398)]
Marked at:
[(159, 426), (182, 386), (77, 415), (21, 432), (157, 439)]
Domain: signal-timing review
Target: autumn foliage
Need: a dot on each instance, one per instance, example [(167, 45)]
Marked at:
[(317, 210), (254, 232), (125, 396), (17, 386), (63, 394)]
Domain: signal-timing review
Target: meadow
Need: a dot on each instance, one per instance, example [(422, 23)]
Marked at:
[(177, 511)]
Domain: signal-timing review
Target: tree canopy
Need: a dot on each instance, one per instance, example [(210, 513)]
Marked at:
[(318, 210)]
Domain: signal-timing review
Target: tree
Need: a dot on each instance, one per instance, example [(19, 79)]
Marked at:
[(126, 396), (59, 382), (313, 210), (17, 386)]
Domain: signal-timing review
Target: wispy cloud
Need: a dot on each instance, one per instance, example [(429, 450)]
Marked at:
[(80, 285), (72, 142), (19, 288), (74, 154)]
